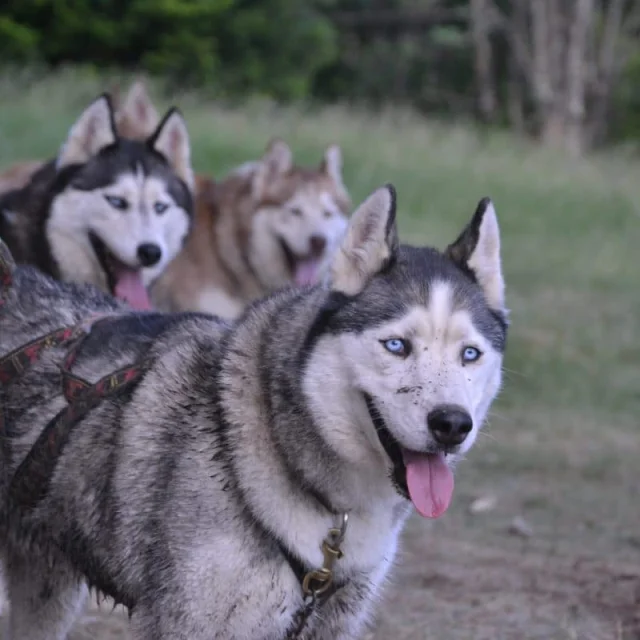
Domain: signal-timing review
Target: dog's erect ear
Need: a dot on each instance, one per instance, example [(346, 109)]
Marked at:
[(332, 163), (369, 244), (277, 160), (478, 250), (331, 166), (171, 139), (137, 117), (93, 131)]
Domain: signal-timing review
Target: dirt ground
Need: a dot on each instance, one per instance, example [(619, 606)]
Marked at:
[(445, 589)]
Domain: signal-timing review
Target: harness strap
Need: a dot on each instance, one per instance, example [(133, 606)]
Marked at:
[(31, 480), (18, 361)]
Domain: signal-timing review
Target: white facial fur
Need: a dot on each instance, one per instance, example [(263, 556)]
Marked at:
[(405, 389), (312, 211), (75, 213)]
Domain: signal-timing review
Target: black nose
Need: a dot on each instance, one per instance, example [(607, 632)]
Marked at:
[(318, 244), (149, 254), (449, 425)]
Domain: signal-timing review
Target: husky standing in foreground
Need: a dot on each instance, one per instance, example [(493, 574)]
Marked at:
[(243, 481), (109, 211)]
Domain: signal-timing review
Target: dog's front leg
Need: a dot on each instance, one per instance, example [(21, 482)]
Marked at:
[(44, 603)]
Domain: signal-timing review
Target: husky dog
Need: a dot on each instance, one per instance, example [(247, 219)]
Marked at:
[(266, 225), (246, 480), (108, 211)]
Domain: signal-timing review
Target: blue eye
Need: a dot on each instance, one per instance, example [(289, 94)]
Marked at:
[(117, 203), (160, 207), (470, 354), (396, 346)]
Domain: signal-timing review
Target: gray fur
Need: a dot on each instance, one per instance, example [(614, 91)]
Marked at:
[(178, 498)]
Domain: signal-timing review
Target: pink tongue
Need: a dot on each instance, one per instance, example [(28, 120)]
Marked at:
[(430, 482), (306, 272), (129, 287)]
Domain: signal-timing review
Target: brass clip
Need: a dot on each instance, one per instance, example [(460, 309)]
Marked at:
[(318, 581)]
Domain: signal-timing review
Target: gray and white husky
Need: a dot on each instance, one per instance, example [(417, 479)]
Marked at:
[(108, 210), (242, 481)]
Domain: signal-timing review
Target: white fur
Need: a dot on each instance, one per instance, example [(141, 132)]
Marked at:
[(364, 247), (311, 211), (485, 259), (172, 141), (138, 110), (332, 163), (217, 302), (277, 160), (433, 374), (92, 132), (74, 213)]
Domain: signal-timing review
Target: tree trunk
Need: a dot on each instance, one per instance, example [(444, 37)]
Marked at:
[(606, 68), (576, 75), (483, 59)]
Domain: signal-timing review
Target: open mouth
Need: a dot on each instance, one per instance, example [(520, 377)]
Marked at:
[(304, 270), (422, 477), (124, 282)]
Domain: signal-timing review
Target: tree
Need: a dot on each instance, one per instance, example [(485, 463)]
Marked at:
[(567, 53)]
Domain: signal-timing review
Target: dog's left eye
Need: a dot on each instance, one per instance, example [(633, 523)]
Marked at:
[(160, 207), (117, 203), (470, 354), (397, 346), (328, 214), (296, 212)]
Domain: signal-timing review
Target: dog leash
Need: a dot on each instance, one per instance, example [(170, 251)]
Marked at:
[(318, 585)]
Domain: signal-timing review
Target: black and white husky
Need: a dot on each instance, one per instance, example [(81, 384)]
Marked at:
[(109, 211), (243, 481)]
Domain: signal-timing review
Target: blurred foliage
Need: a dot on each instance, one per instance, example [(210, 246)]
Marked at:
[(282, 49), (273, 47)]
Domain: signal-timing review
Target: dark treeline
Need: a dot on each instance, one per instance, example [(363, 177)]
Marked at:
[(564, 71)]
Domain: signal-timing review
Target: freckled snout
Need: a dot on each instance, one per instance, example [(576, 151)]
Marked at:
[(449, 425)]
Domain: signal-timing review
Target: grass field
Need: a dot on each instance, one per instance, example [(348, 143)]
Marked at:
[(562, 450)]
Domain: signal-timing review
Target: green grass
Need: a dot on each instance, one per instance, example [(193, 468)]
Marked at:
[(563, 445)]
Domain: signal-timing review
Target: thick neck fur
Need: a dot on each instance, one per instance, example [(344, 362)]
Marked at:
[(270, 427)]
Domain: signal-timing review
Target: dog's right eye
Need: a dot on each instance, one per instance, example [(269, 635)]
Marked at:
[(296, 212), (397, 346), (117, 203)]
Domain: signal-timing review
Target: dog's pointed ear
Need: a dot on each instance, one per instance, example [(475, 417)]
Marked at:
[(276, 161), (171, 139), (369, 245), (332, 163), (478, 250), (93, 131), (331, 166), (137, 117)]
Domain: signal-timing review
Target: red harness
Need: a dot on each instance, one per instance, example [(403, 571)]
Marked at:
[(31, 480)]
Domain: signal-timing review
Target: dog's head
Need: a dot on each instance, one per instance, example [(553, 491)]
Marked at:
[(300, 215), (409, 349), (122, 208)]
